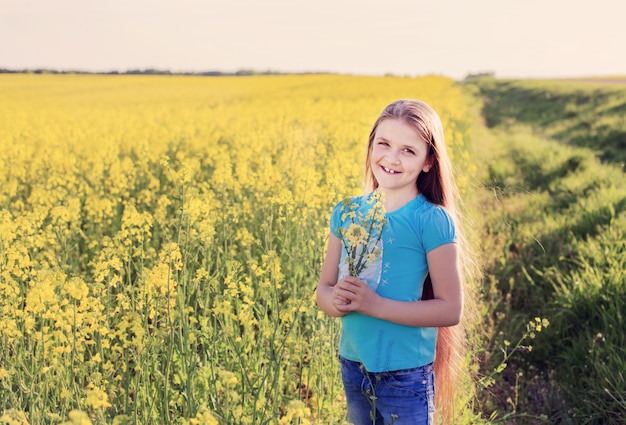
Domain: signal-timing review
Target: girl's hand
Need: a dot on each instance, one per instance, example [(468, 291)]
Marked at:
[(338, 299), (352, 294)]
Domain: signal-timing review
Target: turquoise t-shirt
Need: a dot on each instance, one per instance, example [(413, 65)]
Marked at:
[(408, 234)]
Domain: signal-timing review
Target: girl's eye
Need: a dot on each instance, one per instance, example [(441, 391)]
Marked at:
[(409, 151), (383, 143)]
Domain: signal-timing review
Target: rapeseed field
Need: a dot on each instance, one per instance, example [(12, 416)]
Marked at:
[(161, 239)]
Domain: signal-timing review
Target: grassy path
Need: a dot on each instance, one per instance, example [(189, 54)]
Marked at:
[(554, 231)]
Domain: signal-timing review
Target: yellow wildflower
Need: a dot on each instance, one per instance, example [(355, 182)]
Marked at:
[(97, 398)]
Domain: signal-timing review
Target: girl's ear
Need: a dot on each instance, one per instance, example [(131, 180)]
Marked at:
[(428, 165), (431, 155)]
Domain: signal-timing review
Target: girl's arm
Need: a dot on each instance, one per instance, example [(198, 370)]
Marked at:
[(328, 279), (444, 310)]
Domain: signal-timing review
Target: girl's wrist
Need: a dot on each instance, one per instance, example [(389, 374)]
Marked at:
[(376, 305)]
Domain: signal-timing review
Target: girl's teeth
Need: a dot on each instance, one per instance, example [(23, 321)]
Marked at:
[(389, 171)]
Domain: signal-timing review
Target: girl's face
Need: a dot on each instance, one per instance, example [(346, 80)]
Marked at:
[(398, 155)]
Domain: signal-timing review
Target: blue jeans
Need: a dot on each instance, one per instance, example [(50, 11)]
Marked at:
[(401, 397)]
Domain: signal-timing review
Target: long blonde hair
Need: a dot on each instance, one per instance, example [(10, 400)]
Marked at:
[(438, 187)]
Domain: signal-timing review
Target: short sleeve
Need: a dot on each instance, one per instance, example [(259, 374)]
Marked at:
[(437, 229), (336, 221)]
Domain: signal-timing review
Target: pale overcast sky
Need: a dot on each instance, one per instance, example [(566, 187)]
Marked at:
[(530, 38)]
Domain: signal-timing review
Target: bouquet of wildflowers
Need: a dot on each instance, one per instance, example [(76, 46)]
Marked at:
[(361, 238)]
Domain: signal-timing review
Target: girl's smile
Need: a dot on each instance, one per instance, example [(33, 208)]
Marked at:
[(387, 170)]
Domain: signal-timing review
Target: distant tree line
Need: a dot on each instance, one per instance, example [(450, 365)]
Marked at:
[(478, 75), (152, 71)]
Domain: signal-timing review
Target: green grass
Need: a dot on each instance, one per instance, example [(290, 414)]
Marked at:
[(584, 114), (555, 224)]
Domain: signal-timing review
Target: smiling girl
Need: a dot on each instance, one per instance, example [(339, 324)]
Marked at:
[(400, 317)]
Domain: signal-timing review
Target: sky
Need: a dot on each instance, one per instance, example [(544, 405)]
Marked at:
[(454, 38)]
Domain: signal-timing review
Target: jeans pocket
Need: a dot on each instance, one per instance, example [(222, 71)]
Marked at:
[(418, 381), (351, 374)]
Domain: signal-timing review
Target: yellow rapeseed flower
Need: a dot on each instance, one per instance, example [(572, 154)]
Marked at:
[(97, 398), (78, 417), (14, 417)]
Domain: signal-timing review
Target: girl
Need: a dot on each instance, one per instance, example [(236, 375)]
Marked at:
[(404, 304)]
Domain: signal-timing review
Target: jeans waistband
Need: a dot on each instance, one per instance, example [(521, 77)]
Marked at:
[(425, 368)]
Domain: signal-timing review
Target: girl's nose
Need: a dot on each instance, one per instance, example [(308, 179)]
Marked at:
[(393, 158)]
